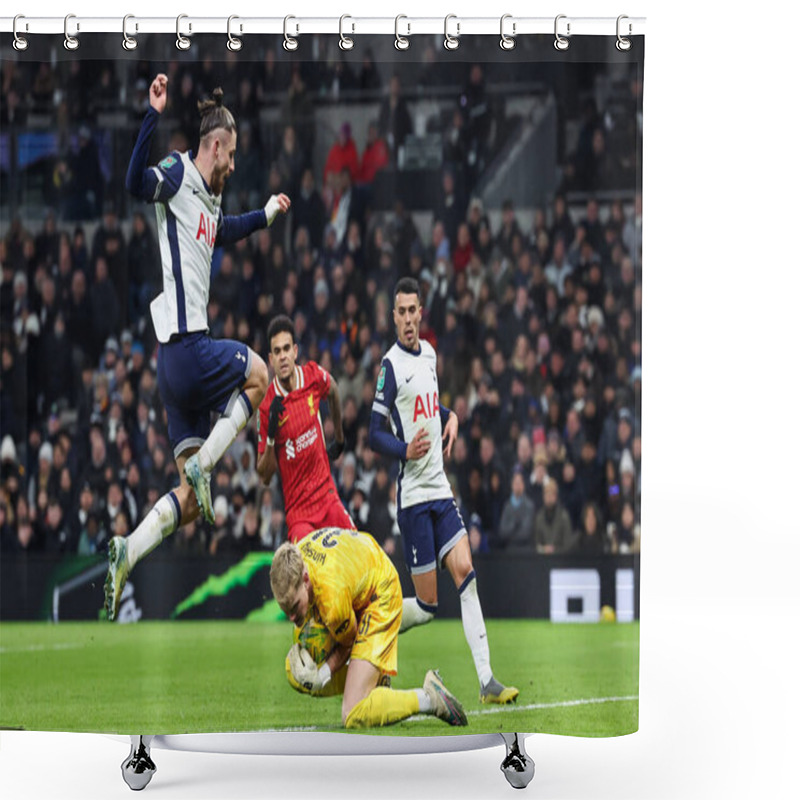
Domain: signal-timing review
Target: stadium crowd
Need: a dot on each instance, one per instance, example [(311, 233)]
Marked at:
[(538, 331)]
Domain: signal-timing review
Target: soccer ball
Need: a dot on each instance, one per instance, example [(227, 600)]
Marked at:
[(316, 638), (319, 642)]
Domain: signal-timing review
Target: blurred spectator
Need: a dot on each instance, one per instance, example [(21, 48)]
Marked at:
[(380, 522), (359, 506), (375, 156), (571, 493), (93, 536), (552, 528), (290, 163), (478, 540), (250, 540), (342, 154), (626, 531), (369, 79), (591, 535), (105, 308), (517, 522), (479, 114), (189, 540), (222, 538), (298, 111), (394, 120), (509, 228), (245, 189), (246, 478), (450, 209), (79, 180), (144, 269), (308, 210)]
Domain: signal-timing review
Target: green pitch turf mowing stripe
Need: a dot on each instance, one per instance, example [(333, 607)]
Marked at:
[(182, 677)]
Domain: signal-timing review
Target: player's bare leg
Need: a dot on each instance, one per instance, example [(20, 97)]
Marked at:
[(362, 678), (174, 509), (459, 564), (422, 608), (198, 468), (365, 704)]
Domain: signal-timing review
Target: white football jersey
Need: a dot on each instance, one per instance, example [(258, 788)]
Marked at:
[(407, 392), (187, 214)]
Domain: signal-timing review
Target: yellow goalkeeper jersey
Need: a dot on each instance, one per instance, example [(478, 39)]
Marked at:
[(350, 574)]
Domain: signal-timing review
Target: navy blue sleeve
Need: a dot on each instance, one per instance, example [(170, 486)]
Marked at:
[(231, 229), (444, 413), (381, 439), (141, 181)]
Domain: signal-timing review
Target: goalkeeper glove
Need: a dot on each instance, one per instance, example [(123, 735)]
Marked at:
[(275, 411), (305, 671), (335, 449)]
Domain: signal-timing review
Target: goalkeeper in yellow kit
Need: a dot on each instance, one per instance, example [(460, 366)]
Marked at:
[(346, 581)]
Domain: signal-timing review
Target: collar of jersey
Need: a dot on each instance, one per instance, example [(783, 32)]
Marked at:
[(408, 350), (191, 158), (298, 373)]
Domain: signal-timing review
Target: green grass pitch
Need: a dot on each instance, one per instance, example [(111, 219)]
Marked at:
[(193, 677)]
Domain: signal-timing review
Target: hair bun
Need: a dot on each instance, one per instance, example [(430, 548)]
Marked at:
[(217, 95)]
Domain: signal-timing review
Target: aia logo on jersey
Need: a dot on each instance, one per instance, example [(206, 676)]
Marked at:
[(207, 230), (426, 406)]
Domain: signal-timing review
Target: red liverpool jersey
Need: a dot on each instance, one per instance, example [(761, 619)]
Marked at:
[(300, 442)]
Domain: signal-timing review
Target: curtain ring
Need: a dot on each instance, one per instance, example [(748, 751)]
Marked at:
[(507, 42), (70, 42), (401, 42), (561, 43), (20, 42), (451, 42), (128, 42), (289, 43), (182, 43), (623, 44), (345, 42), (234, 43)]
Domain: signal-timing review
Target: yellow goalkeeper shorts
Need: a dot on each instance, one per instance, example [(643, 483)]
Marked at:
[(379, 624)]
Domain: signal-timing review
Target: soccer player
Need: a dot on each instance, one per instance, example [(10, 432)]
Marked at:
[(196, 374), (422, 431), (346, 581), (291, 438)]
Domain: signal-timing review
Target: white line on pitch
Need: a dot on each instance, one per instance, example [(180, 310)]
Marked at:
[(561, 704), (31, 648)]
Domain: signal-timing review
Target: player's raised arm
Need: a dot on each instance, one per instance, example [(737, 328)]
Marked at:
[(149, 183), (158, 93)]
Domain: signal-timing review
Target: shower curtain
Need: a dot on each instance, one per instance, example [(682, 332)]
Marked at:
[(506, 185)]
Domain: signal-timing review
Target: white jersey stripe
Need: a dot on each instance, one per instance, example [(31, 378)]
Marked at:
[(187, 229)]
